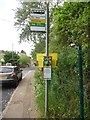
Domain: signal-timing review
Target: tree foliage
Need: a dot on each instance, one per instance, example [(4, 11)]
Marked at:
[(11, 57), (22, 23), (70, 23), (24, 59)]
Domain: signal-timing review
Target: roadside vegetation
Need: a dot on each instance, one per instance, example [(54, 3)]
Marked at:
[(15, 59), (24, 60), (11, 57), (69, 24)]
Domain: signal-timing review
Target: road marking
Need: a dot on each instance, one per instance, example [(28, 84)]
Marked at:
[(25, 75)]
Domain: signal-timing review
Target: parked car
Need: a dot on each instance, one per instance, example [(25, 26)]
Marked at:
[(10, 74), (8, 64)]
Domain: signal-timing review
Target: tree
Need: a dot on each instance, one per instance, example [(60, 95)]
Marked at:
[(24, 59), (22, 16), (22, 23), (11, 57)]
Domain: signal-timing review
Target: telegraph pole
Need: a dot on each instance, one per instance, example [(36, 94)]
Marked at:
[(47, 52), (12, 50)]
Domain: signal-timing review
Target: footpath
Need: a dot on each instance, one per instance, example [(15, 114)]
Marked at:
[(22, 103)]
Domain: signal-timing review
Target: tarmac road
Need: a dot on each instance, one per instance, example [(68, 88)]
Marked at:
[(6, 94), (7, 91)]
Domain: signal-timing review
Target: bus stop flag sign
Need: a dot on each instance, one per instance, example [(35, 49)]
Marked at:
[(37, 20)]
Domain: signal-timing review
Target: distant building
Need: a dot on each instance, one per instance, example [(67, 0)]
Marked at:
[(2, 51), (23, 52)]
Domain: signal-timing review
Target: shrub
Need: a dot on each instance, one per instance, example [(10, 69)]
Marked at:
[(24, 60)]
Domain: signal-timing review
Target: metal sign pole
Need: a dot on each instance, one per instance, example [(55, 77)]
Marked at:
[(47, 41)]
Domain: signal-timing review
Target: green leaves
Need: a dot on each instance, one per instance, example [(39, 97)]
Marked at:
[(70, 22), (11, 57), (24, 59)]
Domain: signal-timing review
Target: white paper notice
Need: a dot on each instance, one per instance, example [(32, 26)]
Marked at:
[(47, 73)]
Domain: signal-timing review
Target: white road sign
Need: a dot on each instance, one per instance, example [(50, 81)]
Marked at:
[(37, 20)]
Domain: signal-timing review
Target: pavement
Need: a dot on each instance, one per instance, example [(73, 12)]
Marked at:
[(22, 103)]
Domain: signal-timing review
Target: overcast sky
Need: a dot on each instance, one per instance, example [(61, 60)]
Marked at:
[(9, 36)]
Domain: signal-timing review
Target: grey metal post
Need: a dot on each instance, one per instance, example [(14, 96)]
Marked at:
[(47, 47)]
